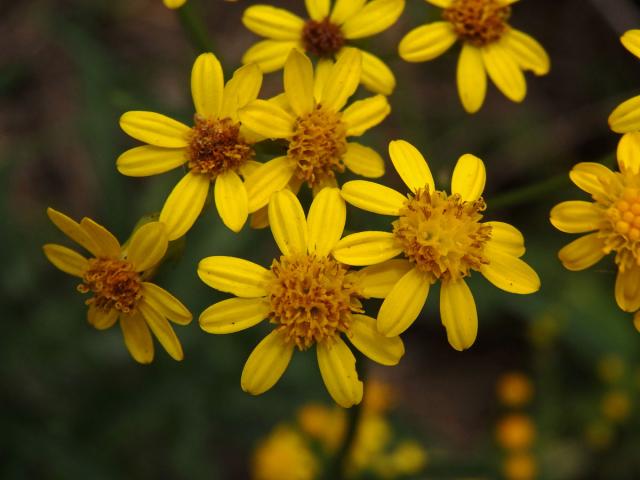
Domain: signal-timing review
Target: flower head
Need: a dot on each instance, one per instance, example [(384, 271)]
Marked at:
[(441, 237), (174, 4), (311, 119), (116, 277), (284, 455), (217, 149), (325, 34), (489, 46), (311, 300)]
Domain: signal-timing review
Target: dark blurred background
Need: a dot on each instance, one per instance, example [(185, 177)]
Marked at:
[(73, 404)]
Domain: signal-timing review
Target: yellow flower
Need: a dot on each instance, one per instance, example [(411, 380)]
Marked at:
[(216, 149), (514, 389), (616, 405), (309, 297), (327, 425), (611, 221), (174, 4), (441, 237), (284, 455), (116, 275), (515, 432), (520, 466), (325, 34), (315, 127), (489, 46)]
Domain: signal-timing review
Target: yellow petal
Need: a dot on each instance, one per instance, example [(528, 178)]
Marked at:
[(165, 304), (403, 304), (364, 114), (66, 259), (376, 281), (318, 9), (626, 116), (184, 204), (327, 216), (631, 41), (163, 331), (509, 273), (338, 369), (366, 338), (243, 88), (526, 51), (323, 70), (376, 75), (269, 55), (149, 160), (148, 245), (576, 216), (100, 319), (363, 161), (504, 71), (427, 42), (375, 17), (298, 83), (107, 244), (629, 153), (174, 4), (506, 238), (267, 119), (137, 338), (207, 85), (366, 248), (266, 364), (287, 222), (155, 129), (73, 230), (628, 289), (269, 178), (459, 314), (271, 22), (260, 218), (471, 78), (231, 200), (582, 253), (234, 314), (345, 9), (234, 275), (373, 197), (343, 79), (469, 178), (593, 178), (411, 165), (441, 3)]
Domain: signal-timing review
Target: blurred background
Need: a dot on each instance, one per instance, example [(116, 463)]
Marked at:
[(549, 389)]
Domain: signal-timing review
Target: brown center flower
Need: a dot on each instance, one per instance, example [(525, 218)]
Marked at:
[(322, 38), (478, 22), (114, 283)]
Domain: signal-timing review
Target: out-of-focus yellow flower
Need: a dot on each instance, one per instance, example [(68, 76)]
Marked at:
[(325, 34), (174, 4), (310, 298), (312, 121), (327, 425), (616, 405), (217, 149), (489, 46), (378, 397), (514, 389), (610, 368), (441, 237), (515, 431), (625, 118), (611, 221), (408, 458), (372, 437), (284, 455), (116, 276), (520, 466)]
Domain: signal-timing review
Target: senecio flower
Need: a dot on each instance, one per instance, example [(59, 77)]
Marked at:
[(174, 4), (611, 221), (116, 276), (441, 238), (310, 298), (325, 34), (315, 127), (626, 117), (489, 46), (217, 149)]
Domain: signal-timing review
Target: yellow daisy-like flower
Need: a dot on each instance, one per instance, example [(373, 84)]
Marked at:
[(315, 127), (325, 34), (116, 276), (489, 46), (441, 237), (218, 148), (309, 297), (174, 4), (611, 220)]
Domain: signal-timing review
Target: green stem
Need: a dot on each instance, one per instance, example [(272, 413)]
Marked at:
[(195, 29)]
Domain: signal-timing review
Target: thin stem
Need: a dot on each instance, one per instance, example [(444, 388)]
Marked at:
[(195, 29)]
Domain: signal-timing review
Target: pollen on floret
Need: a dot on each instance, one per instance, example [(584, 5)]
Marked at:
[(114, 284), (312, 298), (622, 233), (322, 38), (478, 22)]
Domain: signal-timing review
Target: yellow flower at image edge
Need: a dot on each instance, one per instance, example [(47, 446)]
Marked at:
[(611, 221), (217, 149), (115, 275), (309, 297), (284, 455), (441, 238), (325, 34), (489, 46), (174, 4)]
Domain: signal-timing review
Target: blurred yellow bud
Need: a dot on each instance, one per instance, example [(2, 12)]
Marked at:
[(616, 406), (520, 466), (514, 389), (284, 455), (515, 432)]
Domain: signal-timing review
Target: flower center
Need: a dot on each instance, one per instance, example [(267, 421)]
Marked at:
[(623, 235), (442, 234), (319, 141), (322, 38), (478, 22), (216, 146), (114, 283), (312, 298)]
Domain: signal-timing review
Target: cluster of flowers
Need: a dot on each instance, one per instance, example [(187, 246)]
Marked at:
[(312, 294)]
